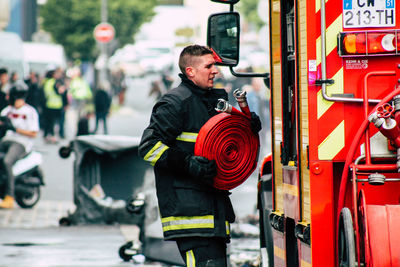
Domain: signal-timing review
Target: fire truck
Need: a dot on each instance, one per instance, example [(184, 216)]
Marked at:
[(333, 175)]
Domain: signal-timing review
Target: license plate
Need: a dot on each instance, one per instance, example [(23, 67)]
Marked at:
[(369, 13)]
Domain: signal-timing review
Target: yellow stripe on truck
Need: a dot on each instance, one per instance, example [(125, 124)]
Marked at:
[(332, 144), (330, 38), (336, 88)]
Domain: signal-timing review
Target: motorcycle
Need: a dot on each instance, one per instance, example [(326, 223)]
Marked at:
[(28, 179)]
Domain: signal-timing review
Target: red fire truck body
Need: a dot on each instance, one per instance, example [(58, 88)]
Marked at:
[(335, 115)]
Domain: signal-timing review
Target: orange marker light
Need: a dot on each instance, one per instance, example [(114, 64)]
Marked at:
[(350, 43)]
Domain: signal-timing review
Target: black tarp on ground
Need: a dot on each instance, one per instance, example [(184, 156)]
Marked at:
[(108, 164)]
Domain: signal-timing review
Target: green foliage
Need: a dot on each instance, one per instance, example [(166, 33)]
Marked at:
[(71, 22), (185, 32), (170, 2), (248, 8)]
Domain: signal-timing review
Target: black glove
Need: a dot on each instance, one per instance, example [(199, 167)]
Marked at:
[(255, 123), (6, 124), (201, 168), (197, 167)]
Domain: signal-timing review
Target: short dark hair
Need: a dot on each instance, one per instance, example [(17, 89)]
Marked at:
[(3, 71), (187, 54)]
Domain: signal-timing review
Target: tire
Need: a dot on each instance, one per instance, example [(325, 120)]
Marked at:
[(266, 241), (28, 201), (122, 251), (346, 246)]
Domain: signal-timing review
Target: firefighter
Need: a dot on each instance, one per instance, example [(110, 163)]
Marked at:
[(193, 213)]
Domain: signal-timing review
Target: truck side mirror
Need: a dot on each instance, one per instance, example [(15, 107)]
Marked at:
[(223, 37)]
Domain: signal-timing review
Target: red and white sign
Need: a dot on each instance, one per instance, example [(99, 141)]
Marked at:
[(104, 32)]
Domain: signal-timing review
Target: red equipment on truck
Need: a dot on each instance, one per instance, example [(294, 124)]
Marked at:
[(335, 115)]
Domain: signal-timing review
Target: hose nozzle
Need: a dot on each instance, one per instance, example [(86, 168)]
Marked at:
[(240, 95), (223, 106)]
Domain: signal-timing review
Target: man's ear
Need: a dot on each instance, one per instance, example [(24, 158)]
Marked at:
[(189, 72)]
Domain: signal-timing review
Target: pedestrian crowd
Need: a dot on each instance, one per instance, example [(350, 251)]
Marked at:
[(60, 92)]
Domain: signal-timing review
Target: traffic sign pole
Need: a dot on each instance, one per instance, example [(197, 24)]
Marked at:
[(103, 33)]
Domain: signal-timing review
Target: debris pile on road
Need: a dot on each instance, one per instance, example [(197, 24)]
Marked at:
[(244, 230), (244, 249), (102, 209), (246, 227)]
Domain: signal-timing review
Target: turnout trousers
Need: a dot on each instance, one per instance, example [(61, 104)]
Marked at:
[(203, 251)]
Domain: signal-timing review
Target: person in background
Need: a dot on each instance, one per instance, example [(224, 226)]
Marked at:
[(14, 78), (102, 104), (118, 85), (80, 91), (53, 88), (155, 90), (22, 124), (34, 96), (83, 124), (65, 101), (193, 213), (4, 88), (167, 79)]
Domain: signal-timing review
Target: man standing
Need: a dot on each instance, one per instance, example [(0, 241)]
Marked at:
[(22, 124), (102, 104), (193, 213)]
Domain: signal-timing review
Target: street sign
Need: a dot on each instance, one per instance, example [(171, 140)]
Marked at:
[(104, 32)]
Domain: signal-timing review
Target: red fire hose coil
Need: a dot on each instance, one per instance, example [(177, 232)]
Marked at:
[(228, 139)]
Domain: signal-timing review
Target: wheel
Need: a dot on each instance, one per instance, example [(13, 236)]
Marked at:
[(128, 250), (64, 152), (362, 228), (346, 247), (266, 241), (28, 200)]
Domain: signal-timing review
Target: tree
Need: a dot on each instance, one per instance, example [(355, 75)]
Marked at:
[(249, 9), (71, 23)]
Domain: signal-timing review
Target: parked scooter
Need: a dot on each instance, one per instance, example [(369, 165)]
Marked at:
[(28, 176), (28, 179)]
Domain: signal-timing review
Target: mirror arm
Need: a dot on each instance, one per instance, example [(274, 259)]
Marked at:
[(251, 75)]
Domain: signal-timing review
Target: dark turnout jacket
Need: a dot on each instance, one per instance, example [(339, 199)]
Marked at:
[(188, 206)]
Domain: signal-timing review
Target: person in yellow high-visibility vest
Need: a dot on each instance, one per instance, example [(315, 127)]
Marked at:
[(53, 88), (80, 91)]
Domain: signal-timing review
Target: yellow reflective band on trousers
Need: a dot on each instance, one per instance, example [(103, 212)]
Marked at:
[(228, 228), (155, 153), (190, 260), (187, 222), (187, 137)]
